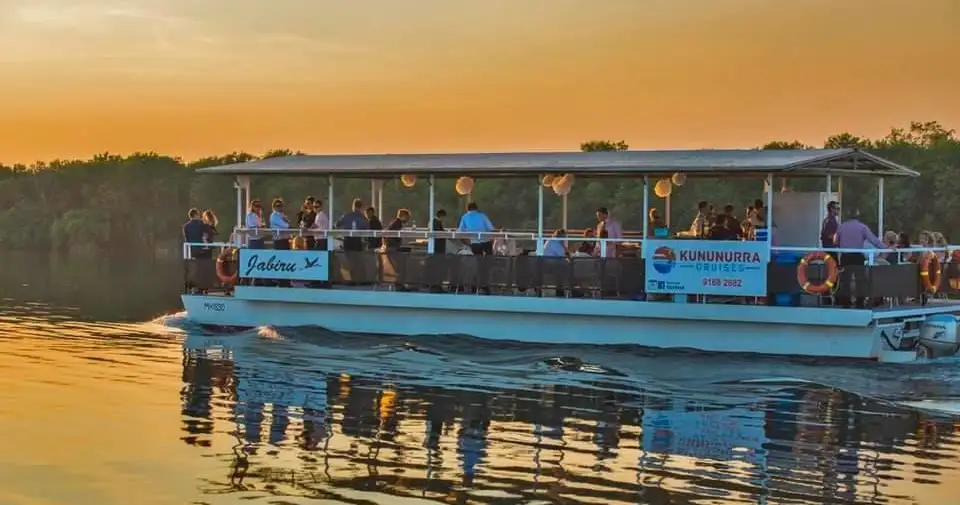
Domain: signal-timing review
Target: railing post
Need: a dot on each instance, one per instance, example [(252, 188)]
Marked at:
[(540, 215), (431, 240), (329, 212), (880, 208), (646, 216)]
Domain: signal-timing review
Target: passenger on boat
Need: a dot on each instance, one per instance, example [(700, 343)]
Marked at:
[(889, 242), (320, 223), (852, 234), (733, 224), (278, 221), (612, 228), (375, 224), (306, 220), (656, 222), (476, 221), (587, 245), (394, 243), (828, 230), (746, 226), (439, 244), (601, 234), (699, 226), (940, 242), (210, 219), (353, 220), (903, 242), (720, 230), (197, 231), (556, 248), (254, 220)]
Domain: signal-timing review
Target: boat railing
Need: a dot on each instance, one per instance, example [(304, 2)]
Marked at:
[(873, 255), (621, 277), (190, 247), (422, 234)]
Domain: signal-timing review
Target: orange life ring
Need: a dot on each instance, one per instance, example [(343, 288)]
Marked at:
[(821, 288), (930, 272), (228, 257)]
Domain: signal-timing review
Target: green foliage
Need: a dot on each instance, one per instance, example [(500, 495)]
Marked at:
[(604, 145), (137, 203)]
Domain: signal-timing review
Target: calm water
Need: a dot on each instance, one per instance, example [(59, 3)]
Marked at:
[(104, 400)]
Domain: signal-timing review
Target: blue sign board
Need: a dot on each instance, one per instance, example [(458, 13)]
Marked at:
[(707, 267), (292, 265)]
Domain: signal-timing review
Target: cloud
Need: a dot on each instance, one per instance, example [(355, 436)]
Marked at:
[(143, 37)]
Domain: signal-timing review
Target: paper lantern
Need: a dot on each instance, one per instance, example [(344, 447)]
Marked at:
[(663, 188), (464, 185), (563, 185), (408, 180), (678, 179), (548, 180)]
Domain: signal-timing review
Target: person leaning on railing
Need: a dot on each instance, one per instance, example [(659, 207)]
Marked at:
[(475, 221), (253, 221), (853, 234), (278, 221)]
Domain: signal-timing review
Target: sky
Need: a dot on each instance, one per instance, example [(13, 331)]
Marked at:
[(202, 77)]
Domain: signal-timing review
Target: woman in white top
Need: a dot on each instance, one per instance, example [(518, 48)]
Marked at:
[(321, 224), (254, 220)]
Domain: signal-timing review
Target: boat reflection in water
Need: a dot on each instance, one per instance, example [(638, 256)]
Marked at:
[(365, 432)]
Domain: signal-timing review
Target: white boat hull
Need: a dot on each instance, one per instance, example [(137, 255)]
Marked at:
[(793, 331)]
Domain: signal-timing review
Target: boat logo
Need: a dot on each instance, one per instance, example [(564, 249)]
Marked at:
[(664, 260), (274, 264)]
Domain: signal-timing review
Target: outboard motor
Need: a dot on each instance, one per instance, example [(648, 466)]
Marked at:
[(938, 336)]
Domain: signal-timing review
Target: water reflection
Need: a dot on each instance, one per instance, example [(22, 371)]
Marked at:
[(308, 423)]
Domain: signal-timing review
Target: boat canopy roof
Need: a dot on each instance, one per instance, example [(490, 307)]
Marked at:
[(708, 163)]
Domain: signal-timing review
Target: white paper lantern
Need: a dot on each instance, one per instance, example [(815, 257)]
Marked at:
[(678, 179), (563, 185), (663, 188), (408, 180), (464, 185)]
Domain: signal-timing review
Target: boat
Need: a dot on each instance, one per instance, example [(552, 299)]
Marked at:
[(734, 296)]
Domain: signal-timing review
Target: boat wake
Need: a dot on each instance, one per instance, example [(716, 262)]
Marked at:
[(463, 362)]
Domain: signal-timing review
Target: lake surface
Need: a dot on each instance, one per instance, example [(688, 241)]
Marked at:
[(108, 396)]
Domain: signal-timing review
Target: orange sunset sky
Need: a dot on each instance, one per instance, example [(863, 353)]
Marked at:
[(201, 77)]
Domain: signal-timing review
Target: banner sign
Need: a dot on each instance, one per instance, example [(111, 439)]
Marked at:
[(707, 267), (292, 265)]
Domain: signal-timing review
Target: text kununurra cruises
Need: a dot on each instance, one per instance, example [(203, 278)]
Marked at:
[(777, 291)]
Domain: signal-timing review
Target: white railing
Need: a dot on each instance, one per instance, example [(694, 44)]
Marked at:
[(188, 247), (872, 253)]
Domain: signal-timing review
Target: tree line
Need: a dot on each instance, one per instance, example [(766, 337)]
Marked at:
[(137, 203)]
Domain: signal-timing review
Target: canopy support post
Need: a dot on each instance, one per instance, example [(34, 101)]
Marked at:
[(667, 210), (646, 217), (880, 208), (329, 212), (431, 242), (769, 217), (540, 215), (565, 212)]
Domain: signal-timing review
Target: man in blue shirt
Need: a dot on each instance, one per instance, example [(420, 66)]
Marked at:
[(476, 221), (353, 220)]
